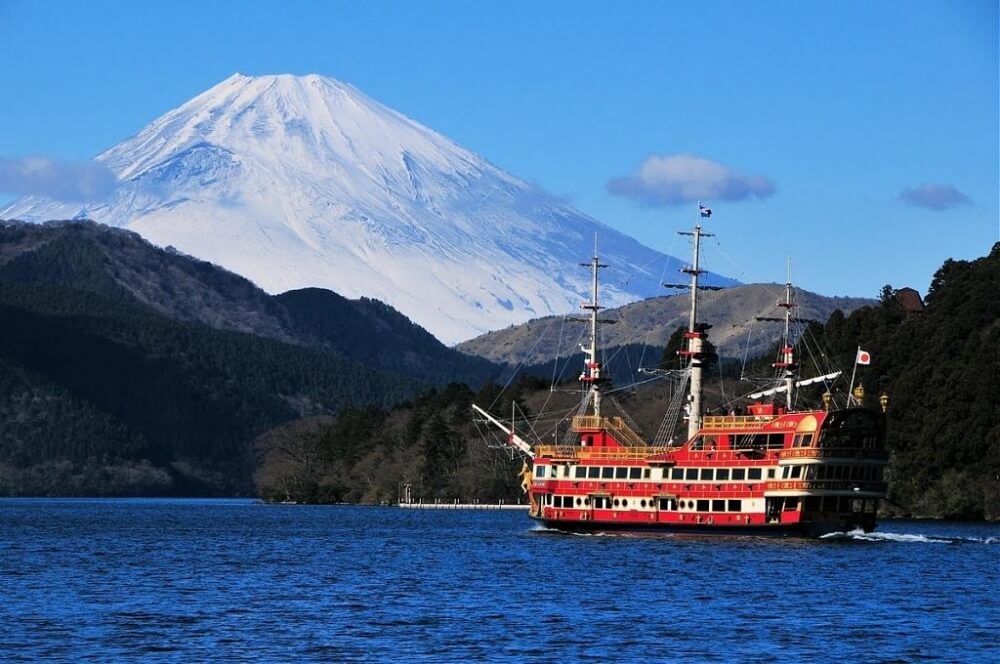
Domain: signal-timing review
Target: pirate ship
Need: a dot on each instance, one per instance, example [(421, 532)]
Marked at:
[(767, 467)]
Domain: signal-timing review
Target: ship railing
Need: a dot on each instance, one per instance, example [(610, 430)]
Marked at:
[(638, 453), (833, 453), (617, 426), (736, 421)]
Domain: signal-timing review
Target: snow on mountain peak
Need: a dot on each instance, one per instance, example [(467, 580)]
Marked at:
[(296, 181)]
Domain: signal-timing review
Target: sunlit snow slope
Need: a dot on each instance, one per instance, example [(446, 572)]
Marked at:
[(304, 181)]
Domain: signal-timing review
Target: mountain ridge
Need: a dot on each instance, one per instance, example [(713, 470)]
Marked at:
[(122, 264), (650, 323)]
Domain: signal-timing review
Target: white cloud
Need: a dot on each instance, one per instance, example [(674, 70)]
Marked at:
[(678, 179), (63, 181)]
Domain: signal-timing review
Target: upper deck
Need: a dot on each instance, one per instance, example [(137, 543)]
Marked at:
[(809, 436)]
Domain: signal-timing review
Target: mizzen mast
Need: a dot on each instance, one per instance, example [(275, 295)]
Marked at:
[(786, 360)]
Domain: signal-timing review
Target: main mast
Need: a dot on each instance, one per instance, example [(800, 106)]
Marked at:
[(695, 340)]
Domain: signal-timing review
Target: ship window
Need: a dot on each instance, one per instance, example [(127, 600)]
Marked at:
[(770, 473), (707, 474), (691, 474), (645, 473), (634, 473), (578, 501), (796, 472), (624, 503), (807, 440), (581, 472), (784, 472), (668, 504), (718, 506), (557, 501), (722, 474), (642, 503), (739, 474), (791, 504), (753, 474), (586, 501), (593, 472), (761, 441), (676, 473), (702, 506), (539, 471), (607, 473), (735, 505), (617, 502), (797, 440), (705, 443), (621, 473)]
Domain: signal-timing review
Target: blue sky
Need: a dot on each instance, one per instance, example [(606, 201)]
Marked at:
[(858, 138)]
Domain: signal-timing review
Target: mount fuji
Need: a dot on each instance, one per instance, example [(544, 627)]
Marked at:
[(298, 181)]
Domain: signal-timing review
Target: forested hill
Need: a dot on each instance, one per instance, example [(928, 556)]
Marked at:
[(131, 370), (940, 368)]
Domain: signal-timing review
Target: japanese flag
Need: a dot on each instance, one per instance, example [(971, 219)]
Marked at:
[(864, 357)]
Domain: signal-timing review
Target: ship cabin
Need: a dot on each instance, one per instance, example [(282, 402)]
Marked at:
[(765, 468)]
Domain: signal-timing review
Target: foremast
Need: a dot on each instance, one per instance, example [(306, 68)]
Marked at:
[(591, 376)]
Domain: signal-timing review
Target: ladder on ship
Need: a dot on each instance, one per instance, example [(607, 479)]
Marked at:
[(665, 434)]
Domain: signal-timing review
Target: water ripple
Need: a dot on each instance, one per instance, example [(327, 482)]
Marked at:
[(149, 580)]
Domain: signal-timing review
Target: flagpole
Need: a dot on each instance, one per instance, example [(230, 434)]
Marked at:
[(850, 390)]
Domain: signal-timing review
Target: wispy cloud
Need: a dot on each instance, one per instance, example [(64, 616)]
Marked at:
[(678, 179), (934, 197), (63, 181)]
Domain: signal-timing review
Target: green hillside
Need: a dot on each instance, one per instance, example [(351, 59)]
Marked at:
[(103, 393)]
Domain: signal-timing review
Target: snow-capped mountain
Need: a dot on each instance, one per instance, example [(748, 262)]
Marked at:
[(305, 181)]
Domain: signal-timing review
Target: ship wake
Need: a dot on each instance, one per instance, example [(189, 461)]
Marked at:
[(861, 536)]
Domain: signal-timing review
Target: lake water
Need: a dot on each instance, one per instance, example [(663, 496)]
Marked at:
[(227, 580)]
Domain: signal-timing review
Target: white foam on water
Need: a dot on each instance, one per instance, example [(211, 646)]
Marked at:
[(861, 536)]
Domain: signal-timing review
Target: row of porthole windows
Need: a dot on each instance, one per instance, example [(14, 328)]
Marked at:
[(603, 502)]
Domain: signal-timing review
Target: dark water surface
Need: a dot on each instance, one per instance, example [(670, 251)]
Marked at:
[(203, 580)]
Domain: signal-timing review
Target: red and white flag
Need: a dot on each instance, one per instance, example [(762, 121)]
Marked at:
[(864, 357)]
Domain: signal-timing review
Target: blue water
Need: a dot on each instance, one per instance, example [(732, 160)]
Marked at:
[(202, 580)]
